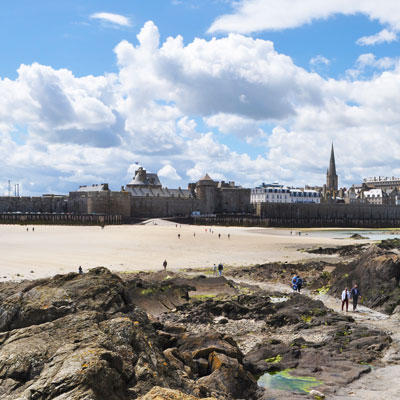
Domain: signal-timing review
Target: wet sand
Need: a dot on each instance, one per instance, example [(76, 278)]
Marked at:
[(50, 250)]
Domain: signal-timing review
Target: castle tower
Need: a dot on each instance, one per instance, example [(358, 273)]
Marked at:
[(331, 176), (207, 192)]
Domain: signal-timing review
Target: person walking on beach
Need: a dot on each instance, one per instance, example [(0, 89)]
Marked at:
[(215, 269), (179, 235), (165, 265), (219, 236), (355, 294), (345, 299), (80, 270), (220, 268), (299, 283)]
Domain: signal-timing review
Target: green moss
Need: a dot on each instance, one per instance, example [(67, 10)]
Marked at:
[(323, 289), (283, 380), (203, 296), (145, 292), (306, 318), (274, 360)]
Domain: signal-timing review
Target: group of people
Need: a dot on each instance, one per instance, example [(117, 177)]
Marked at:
[(297, 283), (354, 294)]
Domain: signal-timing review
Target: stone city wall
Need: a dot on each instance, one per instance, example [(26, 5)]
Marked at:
[(234, 200), (104, 202), (159, 207), (329, 215), (43, 204)]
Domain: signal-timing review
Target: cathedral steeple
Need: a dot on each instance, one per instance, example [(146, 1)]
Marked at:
[(331, 176)]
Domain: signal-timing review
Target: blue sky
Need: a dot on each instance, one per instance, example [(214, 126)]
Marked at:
[(254, 91)]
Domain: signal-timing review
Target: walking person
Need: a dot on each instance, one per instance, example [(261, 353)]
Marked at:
[(355, 294), (220, 268), (299, 283), (179, 235), (80, 270), (165, 265), (345, 299), (215, 269)]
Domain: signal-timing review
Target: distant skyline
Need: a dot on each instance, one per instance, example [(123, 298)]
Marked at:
[(252, 91)]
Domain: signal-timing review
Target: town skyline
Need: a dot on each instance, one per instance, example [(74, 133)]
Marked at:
[(246, 91)]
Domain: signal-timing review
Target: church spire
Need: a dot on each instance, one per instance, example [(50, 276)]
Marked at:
[(331, 176), (332, 165)]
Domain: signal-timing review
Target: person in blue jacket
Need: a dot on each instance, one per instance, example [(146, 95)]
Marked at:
[(294, 282), (355, 294)]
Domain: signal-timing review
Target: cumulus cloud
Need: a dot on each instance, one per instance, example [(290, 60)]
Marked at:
[(169, 172), (114, 19), (181, 103), (232, 75), (384, 36), (258, 15)]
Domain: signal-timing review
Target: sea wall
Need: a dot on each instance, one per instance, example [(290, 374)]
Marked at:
[(329, 215), (308, 216)]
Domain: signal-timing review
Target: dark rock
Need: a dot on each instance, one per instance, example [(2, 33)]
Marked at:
[(228, 376)]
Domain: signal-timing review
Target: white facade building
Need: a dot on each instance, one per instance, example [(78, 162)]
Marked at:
[(275, 193), (374, 196), (270, 193), (304, 196)]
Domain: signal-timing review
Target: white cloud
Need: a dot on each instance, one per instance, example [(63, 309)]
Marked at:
[(258, 15), (115, 19), (58, 131), (384, 36), (169, 172), (319, 60)]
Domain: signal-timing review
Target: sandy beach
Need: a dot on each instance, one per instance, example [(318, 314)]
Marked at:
[(49, 250)]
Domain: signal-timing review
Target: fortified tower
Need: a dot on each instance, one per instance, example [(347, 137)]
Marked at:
[(331, 176), (206, 190)]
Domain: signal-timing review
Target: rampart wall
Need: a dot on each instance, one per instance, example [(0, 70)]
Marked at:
[(103, 202), (160, 207), (330, 215), (43, 204)]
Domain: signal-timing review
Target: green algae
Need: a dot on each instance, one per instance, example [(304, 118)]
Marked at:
[(283, 380), (323, 290), (306, 318), (274, 360)]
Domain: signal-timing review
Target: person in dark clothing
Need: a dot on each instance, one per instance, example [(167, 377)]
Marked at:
[(165, 265), (355, 294), (80, 270), (220, 268), (299, 283)]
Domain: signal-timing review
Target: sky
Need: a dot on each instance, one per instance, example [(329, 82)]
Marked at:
[(247, 90)]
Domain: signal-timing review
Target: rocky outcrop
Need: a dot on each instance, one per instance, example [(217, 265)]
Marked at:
[(159, 393), (83, 337), (377, 274)]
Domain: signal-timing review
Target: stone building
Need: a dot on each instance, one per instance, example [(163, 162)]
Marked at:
[(144, 197)]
